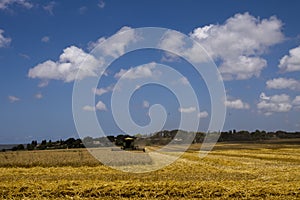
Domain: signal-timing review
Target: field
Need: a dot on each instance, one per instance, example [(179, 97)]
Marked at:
[(230, 171)]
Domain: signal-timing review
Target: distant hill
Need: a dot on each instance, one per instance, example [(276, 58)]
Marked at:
[(7, 146)]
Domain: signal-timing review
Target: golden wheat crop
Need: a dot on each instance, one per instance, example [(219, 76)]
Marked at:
[(231, 171)]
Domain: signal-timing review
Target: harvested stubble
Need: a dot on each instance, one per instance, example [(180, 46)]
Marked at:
[(249, 173)]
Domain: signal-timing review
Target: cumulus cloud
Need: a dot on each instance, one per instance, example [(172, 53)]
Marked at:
[(43, 83), (296, 101), (67, 66), (99, 106), (291, 62), (187, 110), (283, 83), (146, 104), (45, 39), (70, 60), (116, 45), (203, 114), (263, 96), (101, 91), (88, 108), (174, 41), (236, 104), (13, 99), (184, 81), (280, 98), (242, 67), (5, 4), (239, 43), (276, 103), (4, 41), (169, 57), (142, 71)]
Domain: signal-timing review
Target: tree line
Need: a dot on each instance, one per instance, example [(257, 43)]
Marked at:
[(158, 138), (44, 144)]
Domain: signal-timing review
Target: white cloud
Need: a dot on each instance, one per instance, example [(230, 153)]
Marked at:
[(4, 4), (45, 39), (70, 60), (67, 66), (49, 7), (184, 81), (242, 67), (4, 41), (92, 45), (283, 83), (88, 108), (291, 62), (296, 101), (100, 91), (101, 4), (116, 45), (174, 41), (187, 110), (239, 43), (280, 98), (236, 104), (146, 104), (263, 96), (203, 114), (13, 99), (276, 103), (101, 106), (142, 71), (38, 96), (169, 57), (270, 107), (43, 83)]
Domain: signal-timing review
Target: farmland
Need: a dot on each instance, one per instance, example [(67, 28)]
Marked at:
[(231, 170)]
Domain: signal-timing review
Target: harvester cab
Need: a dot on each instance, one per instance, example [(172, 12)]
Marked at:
[(128, 143)]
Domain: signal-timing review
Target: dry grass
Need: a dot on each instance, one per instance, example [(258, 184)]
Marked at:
[(254, 172), (48, 158)]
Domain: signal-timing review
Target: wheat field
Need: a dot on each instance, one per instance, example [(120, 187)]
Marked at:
[(230, 171)]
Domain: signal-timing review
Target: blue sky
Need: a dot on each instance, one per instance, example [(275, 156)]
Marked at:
[(255, 44)]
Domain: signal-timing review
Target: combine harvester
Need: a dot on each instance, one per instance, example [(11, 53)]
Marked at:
[(128, 144)]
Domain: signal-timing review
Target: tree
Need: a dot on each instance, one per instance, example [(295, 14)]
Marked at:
[(30, 147), (34, 143), (18, 148), (70, 142), (111, 138), (49, 144), (44, 142)]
